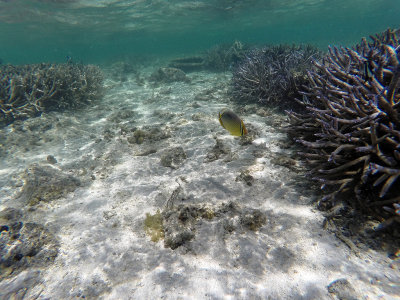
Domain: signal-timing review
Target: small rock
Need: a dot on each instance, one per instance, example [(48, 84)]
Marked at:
[(24, 245), (173, 157), (253, 219), (150, 134), (178, 239), (342, 289), (146, 152), (19, 286), (245, 177), (46, 183), (219, 149), (51, 159)]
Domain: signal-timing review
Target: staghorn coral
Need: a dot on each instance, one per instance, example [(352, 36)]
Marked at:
[(28, 90), (272, 75), (351, 130)]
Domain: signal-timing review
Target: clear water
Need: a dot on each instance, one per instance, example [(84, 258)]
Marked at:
[(97, 230), (96, 31)]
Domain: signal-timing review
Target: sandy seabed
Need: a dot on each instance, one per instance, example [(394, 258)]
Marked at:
[(123, 152)]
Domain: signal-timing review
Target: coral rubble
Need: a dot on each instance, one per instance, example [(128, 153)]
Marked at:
[(272, 75), (351, 127), (28, 90), (178, 224), (23, 245)]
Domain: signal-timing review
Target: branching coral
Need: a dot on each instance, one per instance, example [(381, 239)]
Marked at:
[(28, 90), (272, 75), (223, 56), (351, 129)]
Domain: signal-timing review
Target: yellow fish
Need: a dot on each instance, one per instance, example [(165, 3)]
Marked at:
[(231, 122)]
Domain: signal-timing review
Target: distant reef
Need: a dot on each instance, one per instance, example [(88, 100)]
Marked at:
[(220, 58), (273, 75), (28, 90), (350, 130)]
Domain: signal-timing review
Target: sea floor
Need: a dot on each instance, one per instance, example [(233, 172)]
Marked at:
[(238, 214)]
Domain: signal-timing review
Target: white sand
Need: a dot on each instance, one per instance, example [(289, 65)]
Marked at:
[(104, 251)]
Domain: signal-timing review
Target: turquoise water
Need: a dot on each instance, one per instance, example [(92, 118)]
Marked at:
[(95, 31)]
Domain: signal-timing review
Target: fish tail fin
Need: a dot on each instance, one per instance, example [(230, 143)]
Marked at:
[(243, 130)]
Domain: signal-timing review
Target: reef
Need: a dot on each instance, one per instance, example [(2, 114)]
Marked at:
[(273, 75), (351, 127), (28, 90)]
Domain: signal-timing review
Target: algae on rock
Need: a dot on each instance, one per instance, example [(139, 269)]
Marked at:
[(153, 225)]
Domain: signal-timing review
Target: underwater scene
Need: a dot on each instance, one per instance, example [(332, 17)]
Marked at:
[(202, 149)]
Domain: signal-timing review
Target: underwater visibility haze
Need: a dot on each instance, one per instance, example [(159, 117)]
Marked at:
[(205, 149), (96, 31)]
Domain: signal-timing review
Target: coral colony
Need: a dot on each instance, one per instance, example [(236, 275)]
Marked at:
[(273, 74), (28, 90), (351, 127)]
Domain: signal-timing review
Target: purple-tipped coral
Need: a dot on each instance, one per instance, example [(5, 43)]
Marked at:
[(273, 75), (28, 90), (351, 130)]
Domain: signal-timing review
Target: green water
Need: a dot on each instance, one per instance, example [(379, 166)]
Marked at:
[(99, 31)]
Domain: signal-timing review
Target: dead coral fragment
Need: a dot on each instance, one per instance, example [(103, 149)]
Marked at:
[(351, 130)]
